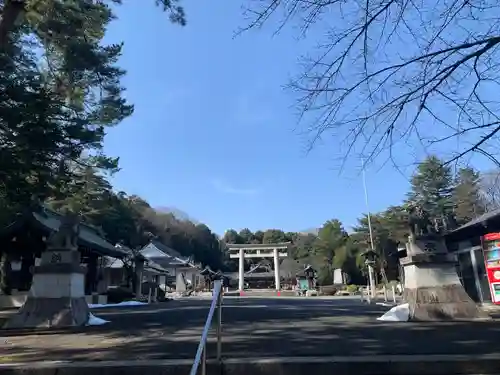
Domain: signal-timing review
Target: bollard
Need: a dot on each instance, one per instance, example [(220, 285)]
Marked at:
[(394, 293), (149, 295), (155, 295), (385, 294)]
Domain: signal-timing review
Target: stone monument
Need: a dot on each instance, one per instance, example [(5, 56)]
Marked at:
[(56, 297), (431, 284)]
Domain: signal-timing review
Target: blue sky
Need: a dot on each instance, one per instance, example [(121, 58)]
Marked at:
[(213, 133)]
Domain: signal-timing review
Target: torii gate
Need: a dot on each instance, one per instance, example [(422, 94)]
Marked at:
[(274, 250)]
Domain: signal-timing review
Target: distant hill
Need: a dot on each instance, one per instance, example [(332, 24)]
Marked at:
[(178, 214)]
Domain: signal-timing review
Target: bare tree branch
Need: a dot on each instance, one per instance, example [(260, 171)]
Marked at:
[(390, 71)]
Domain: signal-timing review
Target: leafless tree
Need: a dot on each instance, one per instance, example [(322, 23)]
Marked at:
[(386, 72), (490, 189)]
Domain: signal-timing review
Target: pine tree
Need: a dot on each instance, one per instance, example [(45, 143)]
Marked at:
[(432, 187), (59, 92), (17, 14), (56, 104)]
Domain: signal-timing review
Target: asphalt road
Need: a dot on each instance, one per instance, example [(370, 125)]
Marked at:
[(252, 327)]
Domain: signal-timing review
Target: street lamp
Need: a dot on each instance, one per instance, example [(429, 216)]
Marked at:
[(370, 254)]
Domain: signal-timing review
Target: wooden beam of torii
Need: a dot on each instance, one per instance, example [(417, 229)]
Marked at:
[(273, 250)]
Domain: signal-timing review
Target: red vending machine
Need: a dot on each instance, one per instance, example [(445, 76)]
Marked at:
[(491, 250)]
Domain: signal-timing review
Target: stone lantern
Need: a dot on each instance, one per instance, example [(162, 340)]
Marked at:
[(370, 257)]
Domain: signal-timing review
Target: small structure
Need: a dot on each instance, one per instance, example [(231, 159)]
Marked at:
[(210, 276), (57, 297), (23, 242), (182, 271), (119, 271), (306, 278), (466, 243), (432, 287), (241, 252)]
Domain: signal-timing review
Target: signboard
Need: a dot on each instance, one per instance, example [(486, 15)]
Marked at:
[(491, 251)]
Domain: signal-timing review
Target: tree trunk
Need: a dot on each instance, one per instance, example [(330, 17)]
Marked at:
[(11, 13)]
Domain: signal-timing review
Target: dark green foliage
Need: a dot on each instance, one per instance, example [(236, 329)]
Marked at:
[(466, 196), (60, 90), (5, 271), (432, 187)]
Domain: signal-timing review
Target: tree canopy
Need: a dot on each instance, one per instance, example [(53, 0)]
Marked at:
[(60, 91)]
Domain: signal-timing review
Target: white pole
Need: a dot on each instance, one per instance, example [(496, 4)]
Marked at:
[(277, 270), (371, 280), (370, 268), (241, 271), (394, 293)]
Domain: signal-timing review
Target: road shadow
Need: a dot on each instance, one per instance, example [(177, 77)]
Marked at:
[(253, 330)]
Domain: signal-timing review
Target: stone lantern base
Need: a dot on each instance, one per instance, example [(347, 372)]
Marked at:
[(432, 287), (56, 298)]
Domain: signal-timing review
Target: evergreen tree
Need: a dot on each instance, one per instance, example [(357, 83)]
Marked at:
[(432, 187), (274, 236), (384, 230), (466, 195), (232, 237), (18, 14), (57, 103), (332, 238), (246, 235)]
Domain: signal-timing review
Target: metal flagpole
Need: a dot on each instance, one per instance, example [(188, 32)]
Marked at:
[(370, 267)]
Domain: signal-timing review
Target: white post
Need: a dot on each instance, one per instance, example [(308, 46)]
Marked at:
[(394, 293), (277, 269), (241, 271), (372, 281), (385, 293)]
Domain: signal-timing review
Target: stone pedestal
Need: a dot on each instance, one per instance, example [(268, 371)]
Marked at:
[(56, 297), (138, 275), (180, 282), (432, 287)]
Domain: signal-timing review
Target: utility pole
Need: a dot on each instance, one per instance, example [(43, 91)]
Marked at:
[(371, 274)]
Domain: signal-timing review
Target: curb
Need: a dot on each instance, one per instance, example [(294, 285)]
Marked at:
[(487, 364)]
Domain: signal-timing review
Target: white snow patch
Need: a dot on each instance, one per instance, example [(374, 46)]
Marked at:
[(121, 304), (385, 304), (400, 313), (95, 321)]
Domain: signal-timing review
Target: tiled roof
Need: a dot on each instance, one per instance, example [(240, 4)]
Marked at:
[(479, 220), (166, 249), (149, 265), (88, 235), (165, 255)]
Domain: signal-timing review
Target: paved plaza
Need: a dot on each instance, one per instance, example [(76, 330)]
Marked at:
[(253, 327)]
